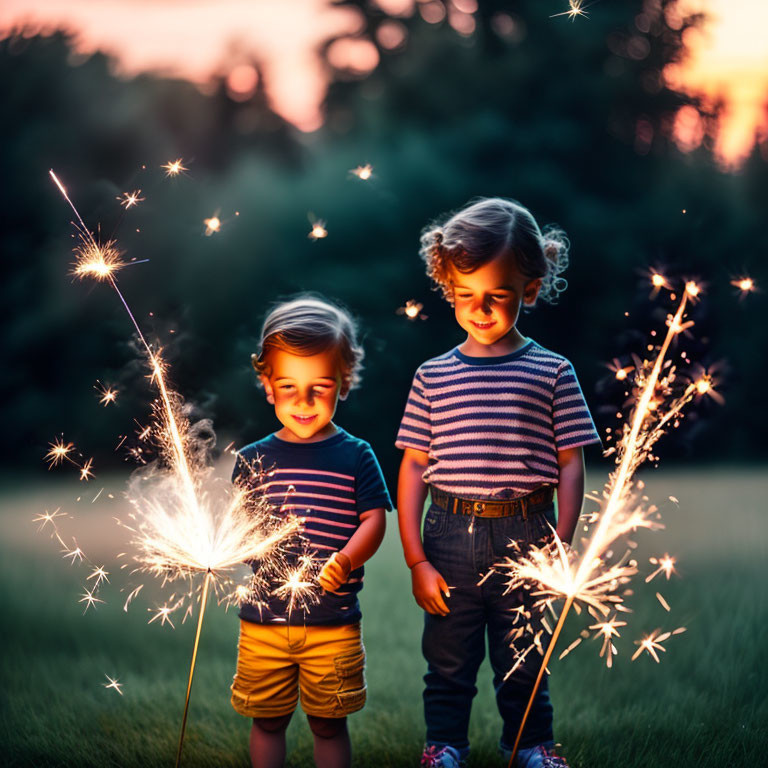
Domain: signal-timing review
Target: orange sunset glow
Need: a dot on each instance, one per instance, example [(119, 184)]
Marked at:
[(728, 62), (727, 58)]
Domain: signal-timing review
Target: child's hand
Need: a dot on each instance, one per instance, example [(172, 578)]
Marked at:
[(428, 588), (335, 572)]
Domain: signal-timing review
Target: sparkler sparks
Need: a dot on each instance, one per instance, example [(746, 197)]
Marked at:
[(174, 167), (59, 452), (212, 225), (97, 260), (412, 310), (89, 599), (113, 683), (608, 630), (129, 199), (100, 575), (46, 518), (364, 172), (108, 394), (745, 285), (177, 532), (575, 8), (85, 471), (594, 577), (318, 231), (653, 643), (665, 565)]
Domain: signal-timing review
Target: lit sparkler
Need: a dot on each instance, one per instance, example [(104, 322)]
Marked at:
[(59, 452), (178, 533), (592, 579), (174, 167), (575, 8)]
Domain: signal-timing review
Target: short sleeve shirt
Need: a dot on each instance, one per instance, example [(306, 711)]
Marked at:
[(492, 426), (330, 483)]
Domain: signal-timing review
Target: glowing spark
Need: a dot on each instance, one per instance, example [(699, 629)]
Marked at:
[(575, 8), (318, 231), (59, 451), (44, 518), (412, 310), (658, 281), (363, 172), (745, 285), (692, 289), (113, 683), (96, 260), (85, 470), (608, 629), (174, 168), (619, 372), (100, 575), (108, 395), (212, 225), (666, 565), (89, 599), (653, 642), (664, 603), (164, 614), (75, 554), (129, 199)]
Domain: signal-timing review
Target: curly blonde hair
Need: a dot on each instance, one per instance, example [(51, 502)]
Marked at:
[(487, 228), (307, 325)]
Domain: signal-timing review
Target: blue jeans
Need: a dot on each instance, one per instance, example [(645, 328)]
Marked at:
[(463, 549)]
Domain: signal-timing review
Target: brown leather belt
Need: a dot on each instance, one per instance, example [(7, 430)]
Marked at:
[(532, 502)]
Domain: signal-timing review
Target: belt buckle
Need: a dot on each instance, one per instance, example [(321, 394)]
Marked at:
[(478, 508)]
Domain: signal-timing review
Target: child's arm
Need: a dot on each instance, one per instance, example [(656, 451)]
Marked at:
[(361, 546), (428, 585), (570, 491)]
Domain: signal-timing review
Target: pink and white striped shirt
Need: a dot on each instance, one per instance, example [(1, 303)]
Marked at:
[(492, 426)]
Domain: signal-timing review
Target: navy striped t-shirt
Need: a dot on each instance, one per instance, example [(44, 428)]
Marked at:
[(330, 483), (492, 426)]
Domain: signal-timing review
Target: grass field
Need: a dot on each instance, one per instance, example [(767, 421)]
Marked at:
[(704, 705)]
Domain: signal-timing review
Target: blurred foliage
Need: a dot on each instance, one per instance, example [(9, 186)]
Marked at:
[(569, 118)]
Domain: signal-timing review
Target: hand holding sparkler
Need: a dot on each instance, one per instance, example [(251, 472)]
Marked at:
[(335, 572)]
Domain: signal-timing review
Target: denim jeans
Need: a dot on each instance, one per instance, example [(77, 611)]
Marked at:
[(463, 549)]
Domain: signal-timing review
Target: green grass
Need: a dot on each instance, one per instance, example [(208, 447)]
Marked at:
[(704, 705)]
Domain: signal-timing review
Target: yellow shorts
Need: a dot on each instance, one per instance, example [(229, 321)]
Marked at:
[(277, 661)]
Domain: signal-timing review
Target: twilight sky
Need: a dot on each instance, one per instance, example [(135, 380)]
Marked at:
[(195, 38)]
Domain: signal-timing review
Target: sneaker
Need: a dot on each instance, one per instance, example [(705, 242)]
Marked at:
[(440, 757), (541, 756)]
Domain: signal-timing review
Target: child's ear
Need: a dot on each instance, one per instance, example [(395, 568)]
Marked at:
[(344, 389), (268, 391), (531, 291)]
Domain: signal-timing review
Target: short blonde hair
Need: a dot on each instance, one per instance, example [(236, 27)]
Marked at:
[(307, 325), (487, 228)]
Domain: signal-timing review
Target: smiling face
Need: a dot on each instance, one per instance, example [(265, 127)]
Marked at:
[(305, 390), (487, 304)]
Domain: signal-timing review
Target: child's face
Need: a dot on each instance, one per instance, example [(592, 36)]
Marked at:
[(304, 391), (487, 301)]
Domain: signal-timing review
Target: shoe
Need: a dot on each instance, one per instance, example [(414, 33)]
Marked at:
[(440, 757), (541, 756)]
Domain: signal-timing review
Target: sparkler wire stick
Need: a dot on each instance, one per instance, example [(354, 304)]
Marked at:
[(203, 600), (617, 492)]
